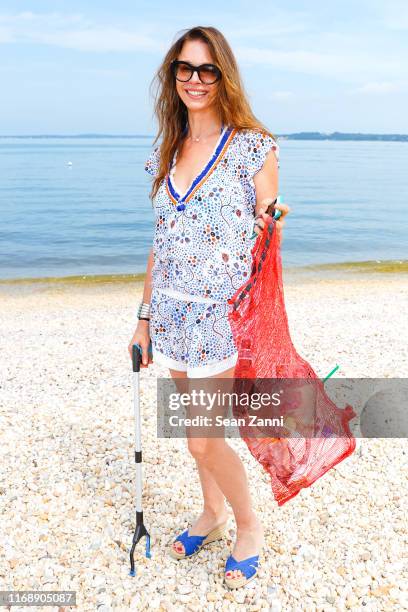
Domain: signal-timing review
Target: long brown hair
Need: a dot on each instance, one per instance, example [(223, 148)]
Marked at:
[(171, 113)]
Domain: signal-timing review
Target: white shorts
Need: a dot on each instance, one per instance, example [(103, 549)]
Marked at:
[(191, 334)]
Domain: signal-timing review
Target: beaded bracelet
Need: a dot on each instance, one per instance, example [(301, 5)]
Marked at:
[(143, 311)]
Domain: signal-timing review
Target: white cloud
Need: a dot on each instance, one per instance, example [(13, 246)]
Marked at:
[(395, 15), (73, 32), (398, 23), (281, 95), (281, 24), (347, 66), (331, 55), (98, 39), (104, 72), (381, 87), (6, 35)]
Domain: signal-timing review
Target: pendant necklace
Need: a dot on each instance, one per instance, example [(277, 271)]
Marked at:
[(199, 137), (180, 201)]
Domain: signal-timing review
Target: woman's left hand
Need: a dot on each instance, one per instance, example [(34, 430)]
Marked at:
[(262, 217)]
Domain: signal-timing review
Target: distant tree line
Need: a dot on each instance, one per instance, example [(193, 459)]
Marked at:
[(294, 136), (345, 136)]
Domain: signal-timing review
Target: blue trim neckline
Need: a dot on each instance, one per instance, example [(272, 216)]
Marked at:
[(203, 173)]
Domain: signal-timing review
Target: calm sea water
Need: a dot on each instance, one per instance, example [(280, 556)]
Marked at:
[(348, 200)]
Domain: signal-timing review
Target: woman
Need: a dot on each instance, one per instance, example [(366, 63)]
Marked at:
[(215, 171)]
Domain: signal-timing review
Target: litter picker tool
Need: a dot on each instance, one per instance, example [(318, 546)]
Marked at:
[(140, 529)]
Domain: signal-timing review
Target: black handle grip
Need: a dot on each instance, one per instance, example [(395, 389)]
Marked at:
[(136, 357), (271, 208)]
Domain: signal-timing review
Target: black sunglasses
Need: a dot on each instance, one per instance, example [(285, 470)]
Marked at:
[(207, 73)]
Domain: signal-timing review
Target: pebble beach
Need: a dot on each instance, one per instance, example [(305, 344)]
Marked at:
[(67, 461)]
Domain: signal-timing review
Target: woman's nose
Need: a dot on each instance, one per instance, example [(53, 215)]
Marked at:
[(195, 78)]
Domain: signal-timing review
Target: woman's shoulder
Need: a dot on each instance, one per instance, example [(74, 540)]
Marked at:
[(254, 144), (152, 163)]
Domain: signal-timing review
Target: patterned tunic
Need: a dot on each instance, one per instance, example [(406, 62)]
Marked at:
[(205, 249), (202, 253)]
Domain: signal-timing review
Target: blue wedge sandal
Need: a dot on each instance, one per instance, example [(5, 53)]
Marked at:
[(192, 544), (248, 568)]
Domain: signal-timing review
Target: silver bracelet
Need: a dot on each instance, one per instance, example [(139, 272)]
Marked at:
[(143, 311)]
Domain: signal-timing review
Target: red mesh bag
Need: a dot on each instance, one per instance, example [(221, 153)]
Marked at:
[(259, 324)]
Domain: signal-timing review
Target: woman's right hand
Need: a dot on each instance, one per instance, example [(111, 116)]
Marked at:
[(142, 338)]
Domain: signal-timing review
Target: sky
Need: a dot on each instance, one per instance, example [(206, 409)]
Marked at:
[(81, 66)]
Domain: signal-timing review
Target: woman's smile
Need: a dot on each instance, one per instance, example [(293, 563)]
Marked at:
[(195, 93)]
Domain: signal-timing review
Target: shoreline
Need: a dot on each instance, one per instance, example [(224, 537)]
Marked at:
[(312, 273)]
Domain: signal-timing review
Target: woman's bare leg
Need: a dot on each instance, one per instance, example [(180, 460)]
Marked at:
[(215, 511), (216, 458)]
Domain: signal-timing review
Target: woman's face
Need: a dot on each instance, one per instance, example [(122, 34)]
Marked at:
[(194, 94)]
